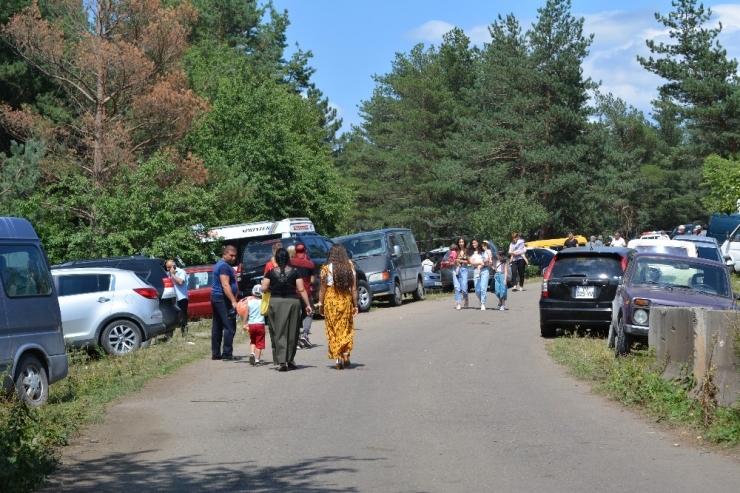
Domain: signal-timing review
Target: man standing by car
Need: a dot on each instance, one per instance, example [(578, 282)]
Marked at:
[(570, 242), (698, 230), (618, 241), (223, 303), (178, 277), (305, 268)]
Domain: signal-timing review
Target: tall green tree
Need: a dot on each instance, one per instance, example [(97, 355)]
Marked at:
[(702, 88)]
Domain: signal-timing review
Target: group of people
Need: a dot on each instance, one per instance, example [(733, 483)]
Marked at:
[(289, 310), (477, 259)]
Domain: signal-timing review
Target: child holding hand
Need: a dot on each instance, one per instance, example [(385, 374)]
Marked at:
[(255, 321)]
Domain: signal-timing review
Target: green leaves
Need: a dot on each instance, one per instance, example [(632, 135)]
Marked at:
[(722, 180)]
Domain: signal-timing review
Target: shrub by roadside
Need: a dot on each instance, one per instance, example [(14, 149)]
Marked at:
[(29, 438), (635, 381)]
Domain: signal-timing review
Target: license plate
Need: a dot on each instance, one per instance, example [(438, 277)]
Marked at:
[(584, 291), (437, 283)]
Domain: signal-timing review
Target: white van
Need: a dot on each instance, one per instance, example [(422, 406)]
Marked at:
[(241, 235), (669, 247)]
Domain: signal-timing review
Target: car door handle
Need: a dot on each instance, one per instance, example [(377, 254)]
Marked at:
[(103, 300)]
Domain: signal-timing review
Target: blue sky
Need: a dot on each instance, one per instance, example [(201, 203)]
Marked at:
[(352, 40)]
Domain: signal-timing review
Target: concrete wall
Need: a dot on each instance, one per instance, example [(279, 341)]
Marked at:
[(692, 339)]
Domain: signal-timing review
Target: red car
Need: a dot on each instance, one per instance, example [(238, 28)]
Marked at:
[(199, 279)]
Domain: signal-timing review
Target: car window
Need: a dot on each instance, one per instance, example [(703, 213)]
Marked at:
[(669, 250), (709, 253), (23, 271), (315, 246), (256, 254), (83, 283), (200, 280), (365, 246), (681, 274), (601, 267)]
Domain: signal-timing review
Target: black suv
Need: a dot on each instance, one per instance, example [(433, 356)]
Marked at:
[(255, 256), (150, 270), (579, 286)]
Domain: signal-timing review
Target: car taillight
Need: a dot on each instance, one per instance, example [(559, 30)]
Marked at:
[(624, 264), (546, 277), (168, 282), (239, 271), (149, 293)]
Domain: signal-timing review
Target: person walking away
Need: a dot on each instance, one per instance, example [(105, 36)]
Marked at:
[(461, 274), (427, 265), (570, 242), (223, 304), (500, 287), (179, 277), (517, 250), (305, 268), (618, 241), (599, 241), (338, 304), (284, 314), (485, 273), (255, 323)]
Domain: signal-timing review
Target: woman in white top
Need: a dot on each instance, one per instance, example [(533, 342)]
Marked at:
[(476, 262)]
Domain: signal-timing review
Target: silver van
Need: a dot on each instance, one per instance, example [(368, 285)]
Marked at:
[(32, 351), (390, 259)]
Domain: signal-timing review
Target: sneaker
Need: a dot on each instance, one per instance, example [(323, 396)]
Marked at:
[(465, 305), (457, 306), (304, 341), (503, 308), (252, 360), (257, 362), (483, 307)]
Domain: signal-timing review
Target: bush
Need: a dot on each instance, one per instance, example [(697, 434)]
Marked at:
[(532, 271)]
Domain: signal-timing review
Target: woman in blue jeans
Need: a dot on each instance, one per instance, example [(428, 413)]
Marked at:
[(460, 277), (482, 279)]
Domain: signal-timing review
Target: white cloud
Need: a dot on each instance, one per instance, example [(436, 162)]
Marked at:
[(728, 15), (430, 32)]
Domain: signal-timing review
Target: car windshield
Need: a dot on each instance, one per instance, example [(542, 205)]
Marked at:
[(601, 267), (685, 274), (709, 253), (665, 249), (365, 246)]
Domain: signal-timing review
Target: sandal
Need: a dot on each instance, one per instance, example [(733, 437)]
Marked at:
[(340, 364), (345, 358)]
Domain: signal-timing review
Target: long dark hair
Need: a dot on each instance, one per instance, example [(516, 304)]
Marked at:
[(474, 249), (282, 257), (341, 268)]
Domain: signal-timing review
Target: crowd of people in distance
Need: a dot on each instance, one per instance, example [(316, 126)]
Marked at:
[(284, 304)]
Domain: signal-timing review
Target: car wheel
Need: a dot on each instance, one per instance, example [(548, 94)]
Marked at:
[(547, 330), (31, 382), (623, 343), (612, 337), (120, 337), (364, 296), (419, 291), (397, 297)]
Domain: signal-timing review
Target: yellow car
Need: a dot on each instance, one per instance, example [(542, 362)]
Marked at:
[(554, 244)]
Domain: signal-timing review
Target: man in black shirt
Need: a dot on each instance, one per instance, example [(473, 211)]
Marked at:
[(571, 242)]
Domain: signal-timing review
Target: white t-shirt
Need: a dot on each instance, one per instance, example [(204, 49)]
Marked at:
[(255, 317), (619, 243), (427, 265)]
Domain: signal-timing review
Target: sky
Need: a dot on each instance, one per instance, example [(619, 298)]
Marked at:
[(353, 40)]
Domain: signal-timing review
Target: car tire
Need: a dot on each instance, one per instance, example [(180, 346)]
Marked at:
[(31, 381), (623, 343), (120, 337), (547, 330), (419, 291), (364, 296), (396, 299), (612, 337)]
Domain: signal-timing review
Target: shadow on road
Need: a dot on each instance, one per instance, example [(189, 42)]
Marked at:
[(131, 472)]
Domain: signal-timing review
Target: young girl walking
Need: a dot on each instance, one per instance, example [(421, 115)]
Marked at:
[(499, 278)]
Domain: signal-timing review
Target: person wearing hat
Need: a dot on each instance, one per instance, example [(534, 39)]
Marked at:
[(698, 231), (255, 322), (305, 268), (681, 230)]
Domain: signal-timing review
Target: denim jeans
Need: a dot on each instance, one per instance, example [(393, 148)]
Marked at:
[(500, 287), (481, 285), (461, 284)]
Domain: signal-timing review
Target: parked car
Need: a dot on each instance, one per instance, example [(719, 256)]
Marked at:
[(32, 351), (688, 229), (706, 246), (663, 246), (150, 270), (579, 286), (199, 280), (446, 271), (540, 257), (652, 281), (111, 308), (390, 259), (255, 256), (432, 281), (721, 225)]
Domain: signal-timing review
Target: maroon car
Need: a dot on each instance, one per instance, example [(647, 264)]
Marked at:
[(653, 280), (199, 279)]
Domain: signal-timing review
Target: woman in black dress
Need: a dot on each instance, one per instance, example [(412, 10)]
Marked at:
[(284, 316)]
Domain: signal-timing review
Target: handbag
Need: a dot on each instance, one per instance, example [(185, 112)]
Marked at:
[(265, 306)]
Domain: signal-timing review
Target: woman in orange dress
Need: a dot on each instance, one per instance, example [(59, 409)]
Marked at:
[(338, 304)]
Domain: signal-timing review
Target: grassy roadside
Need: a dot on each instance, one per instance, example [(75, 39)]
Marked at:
[(635, 381), (30, 438)]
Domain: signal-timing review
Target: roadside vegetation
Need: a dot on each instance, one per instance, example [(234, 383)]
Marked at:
[(29, 438), (635, 381)]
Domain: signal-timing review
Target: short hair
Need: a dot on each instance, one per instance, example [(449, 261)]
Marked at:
[(593, 237), (277, 246), (229, 248)]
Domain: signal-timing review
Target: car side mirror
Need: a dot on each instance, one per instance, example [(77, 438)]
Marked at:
[(396, 251)]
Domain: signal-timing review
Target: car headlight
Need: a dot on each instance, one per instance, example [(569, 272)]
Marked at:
[(378, 276), (640, 317)]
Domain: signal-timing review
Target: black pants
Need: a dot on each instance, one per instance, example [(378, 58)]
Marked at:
[(517, 269), (222, 327), (183, 305)]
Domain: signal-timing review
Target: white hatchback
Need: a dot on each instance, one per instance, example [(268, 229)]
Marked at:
[(112, 308), (669, 247)]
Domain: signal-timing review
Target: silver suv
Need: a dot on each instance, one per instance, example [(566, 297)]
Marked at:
[(112, 308)]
